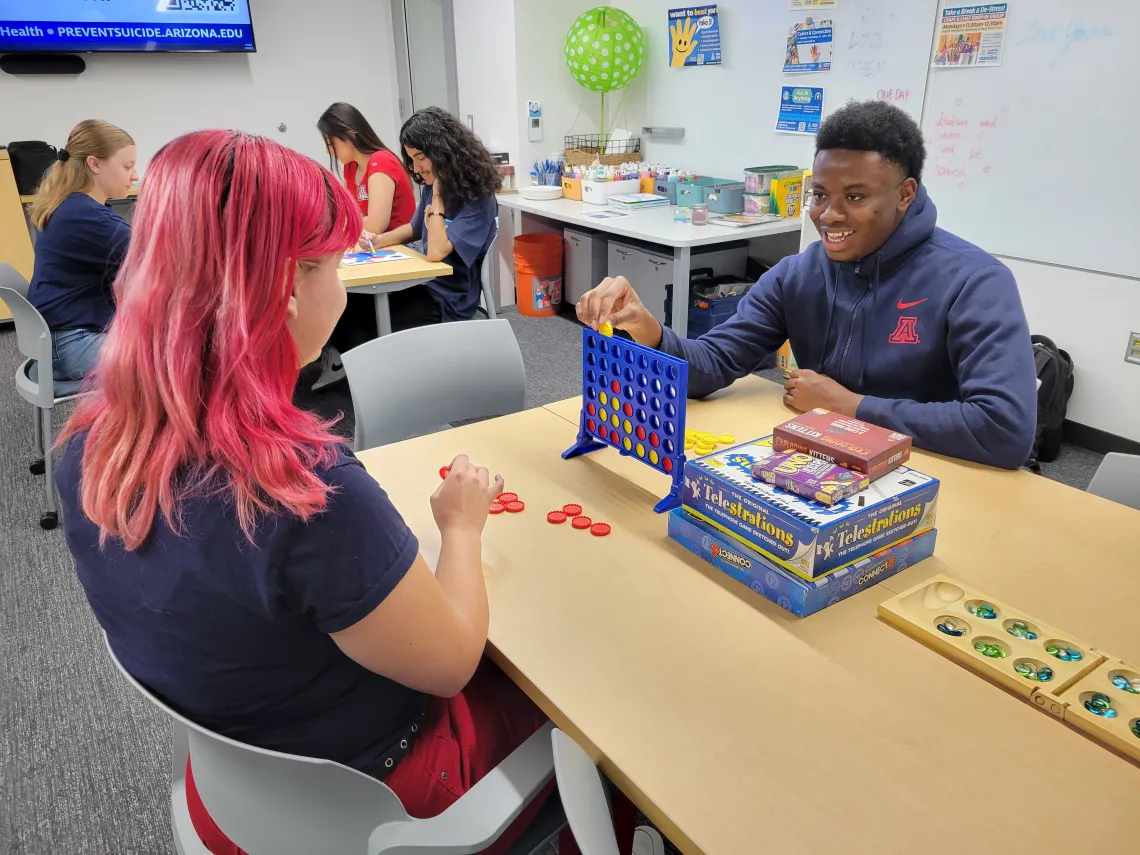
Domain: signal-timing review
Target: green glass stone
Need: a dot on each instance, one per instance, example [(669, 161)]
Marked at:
[(1053, 650), (1135, 727), (1024, 669), (1101, 705)]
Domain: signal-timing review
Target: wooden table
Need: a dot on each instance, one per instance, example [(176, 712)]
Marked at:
[(384, 277), (739, 728), (15, 242)]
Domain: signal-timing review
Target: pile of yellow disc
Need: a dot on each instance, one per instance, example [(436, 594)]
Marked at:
[(705, 443)]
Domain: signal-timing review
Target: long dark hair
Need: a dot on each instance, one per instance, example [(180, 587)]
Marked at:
[(458, 158), (342, 121)]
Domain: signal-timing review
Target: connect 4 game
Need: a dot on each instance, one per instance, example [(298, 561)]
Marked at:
[(633, 399)]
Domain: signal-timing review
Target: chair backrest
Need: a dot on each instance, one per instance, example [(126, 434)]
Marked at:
[(266, 801), (487, 276), (415, 380), (34, 341), (12, 278), (1118, 478)]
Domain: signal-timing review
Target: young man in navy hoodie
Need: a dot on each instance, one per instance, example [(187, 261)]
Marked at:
[(891, 319)]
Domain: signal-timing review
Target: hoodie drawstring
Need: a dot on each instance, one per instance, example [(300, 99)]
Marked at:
[(875, 280)]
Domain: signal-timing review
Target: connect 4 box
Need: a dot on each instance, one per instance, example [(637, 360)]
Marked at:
[(788, 590), (800, 535)]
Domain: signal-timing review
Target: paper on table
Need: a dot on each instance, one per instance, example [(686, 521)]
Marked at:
[(352, 259)]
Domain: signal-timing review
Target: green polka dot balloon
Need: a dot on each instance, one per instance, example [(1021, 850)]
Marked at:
[(604, 49)]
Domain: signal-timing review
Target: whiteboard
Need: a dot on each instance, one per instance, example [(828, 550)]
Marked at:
[(881, 50), (1037, 158)]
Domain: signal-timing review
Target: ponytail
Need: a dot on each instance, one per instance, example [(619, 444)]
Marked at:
[(69, 174)]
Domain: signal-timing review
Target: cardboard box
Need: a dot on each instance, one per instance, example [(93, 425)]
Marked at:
[(810, 477), (844, 441), (803, 536), (786, 589)]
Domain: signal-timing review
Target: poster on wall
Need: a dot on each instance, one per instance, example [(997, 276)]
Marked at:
[(809, 46), (694, 36), (813, 4), (970, 36), (801, 108)]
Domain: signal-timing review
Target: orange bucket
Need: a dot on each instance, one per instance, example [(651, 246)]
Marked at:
[(538, 274)]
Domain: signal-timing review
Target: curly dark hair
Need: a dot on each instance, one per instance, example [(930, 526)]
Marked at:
[(879, 127), (458, 158)]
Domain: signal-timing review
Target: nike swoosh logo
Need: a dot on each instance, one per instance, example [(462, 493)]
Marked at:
[(903, 305)]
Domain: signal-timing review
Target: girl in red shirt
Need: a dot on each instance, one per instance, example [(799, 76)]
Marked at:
[(376, 178)]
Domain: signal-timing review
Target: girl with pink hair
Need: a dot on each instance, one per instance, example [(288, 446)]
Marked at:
[(244, 566)]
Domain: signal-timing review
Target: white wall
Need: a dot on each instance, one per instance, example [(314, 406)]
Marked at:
[(485, 65), (1090, 315), (309, 55)]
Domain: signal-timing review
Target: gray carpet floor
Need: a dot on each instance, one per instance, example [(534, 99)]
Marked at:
[(84, 761)]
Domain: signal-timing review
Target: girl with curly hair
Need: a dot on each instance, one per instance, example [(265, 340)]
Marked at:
[(455, 217)]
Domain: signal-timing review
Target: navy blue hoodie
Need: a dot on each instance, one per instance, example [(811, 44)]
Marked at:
[(929, 329)]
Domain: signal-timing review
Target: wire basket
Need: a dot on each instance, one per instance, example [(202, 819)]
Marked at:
[(584, 149)]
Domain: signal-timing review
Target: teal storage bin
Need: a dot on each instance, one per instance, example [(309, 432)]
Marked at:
[(726, 197), (668, 189), (695, 192)]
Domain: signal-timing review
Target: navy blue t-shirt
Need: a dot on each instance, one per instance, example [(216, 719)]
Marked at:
[(236, 636), (78, 255), (470, 228)]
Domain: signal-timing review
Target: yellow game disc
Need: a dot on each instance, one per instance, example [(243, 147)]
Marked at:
[(606, 329), (602, 397), (705, 449), (614, 420), (706, 436), (627, 444), (653, 458), (690, 443), (689, 432), (604, 415), (640, 450), (726, 439), (627, 426)]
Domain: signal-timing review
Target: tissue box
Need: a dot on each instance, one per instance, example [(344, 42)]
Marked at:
[(786, 589)]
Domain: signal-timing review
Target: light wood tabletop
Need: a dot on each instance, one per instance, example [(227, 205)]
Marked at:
[(415, 267), (28, 198), (739, 728)]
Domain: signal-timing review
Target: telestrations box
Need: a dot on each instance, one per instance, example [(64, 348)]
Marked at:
[(803, 536), (787, 590), (810, 477), (844, 441)]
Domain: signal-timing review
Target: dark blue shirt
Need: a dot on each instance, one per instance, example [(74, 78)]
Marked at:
[(470, 228), (236, 636), (78, 255)]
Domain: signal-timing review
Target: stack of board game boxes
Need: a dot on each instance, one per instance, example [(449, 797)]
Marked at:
[(808, 516)]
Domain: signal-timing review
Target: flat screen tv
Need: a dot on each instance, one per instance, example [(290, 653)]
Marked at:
[(87, 26)]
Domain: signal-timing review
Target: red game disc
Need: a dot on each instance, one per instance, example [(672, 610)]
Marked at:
[(581, 522), (556, 517), (507, 498), (627, 408), (495, 508), (653, 440), (515, 507), (640, 432), (600, 529), (667, 462), (443, 472), (616, 386), (572, 510), (591, 409)]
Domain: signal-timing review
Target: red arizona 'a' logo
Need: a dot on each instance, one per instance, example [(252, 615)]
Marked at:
[(906, 332)]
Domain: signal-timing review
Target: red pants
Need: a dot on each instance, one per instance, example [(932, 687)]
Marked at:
[(463, 738)]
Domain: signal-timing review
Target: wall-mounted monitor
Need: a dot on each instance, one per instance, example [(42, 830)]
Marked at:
[(87, 26)]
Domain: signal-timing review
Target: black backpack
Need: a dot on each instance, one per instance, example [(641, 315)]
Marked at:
[(30, 160), (1055, 371)]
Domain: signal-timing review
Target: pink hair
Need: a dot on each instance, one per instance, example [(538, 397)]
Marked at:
[(195, 381)]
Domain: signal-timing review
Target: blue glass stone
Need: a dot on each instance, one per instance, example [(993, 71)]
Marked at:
[(982, 610), (1045, 674), (1101, 705), (1135, 727), (1124, 684), (952, 628)]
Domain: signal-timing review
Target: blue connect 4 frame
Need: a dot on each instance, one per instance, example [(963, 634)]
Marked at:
[(633, 399)]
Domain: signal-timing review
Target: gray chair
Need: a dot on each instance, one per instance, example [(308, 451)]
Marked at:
[(1118, 478), (584, 797), (487, 279), (38, 388), (269, 802), (421, 379)]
